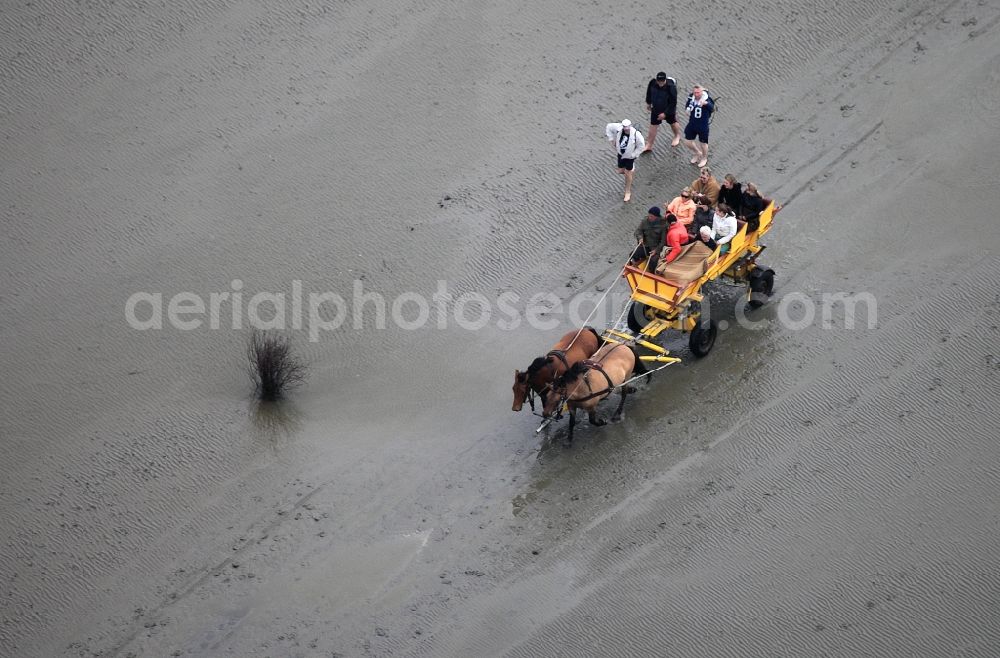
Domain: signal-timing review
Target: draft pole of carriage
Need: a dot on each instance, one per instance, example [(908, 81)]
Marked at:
[(671, 299)]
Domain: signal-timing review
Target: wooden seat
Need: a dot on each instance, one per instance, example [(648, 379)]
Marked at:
[(684, 249), (689, 266)]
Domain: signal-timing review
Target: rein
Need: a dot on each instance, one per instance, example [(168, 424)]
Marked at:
[(559, 354), (531, 394)]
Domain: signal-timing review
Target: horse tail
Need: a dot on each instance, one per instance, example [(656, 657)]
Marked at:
[(639, 368)]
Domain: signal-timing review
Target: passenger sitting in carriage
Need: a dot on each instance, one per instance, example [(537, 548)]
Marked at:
[(702, 215), (751, 205), (731, 193), (723, 229), (650, 237), (682, 207), (706, 184), (677, 236)]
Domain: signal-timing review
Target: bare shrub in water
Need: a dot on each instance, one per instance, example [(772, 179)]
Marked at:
[(272, 366)]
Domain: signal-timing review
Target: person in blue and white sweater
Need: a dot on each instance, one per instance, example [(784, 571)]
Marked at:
[(699, 107), (627, 143)]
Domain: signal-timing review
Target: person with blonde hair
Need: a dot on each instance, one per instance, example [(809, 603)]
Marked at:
[(751, 205), (682, 207), (731, 193), (706, 184), (699, 107)]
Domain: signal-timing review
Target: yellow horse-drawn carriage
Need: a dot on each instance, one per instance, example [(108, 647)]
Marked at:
[(671, 297)]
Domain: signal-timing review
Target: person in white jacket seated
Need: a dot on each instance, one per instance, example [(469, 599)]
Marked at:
[(723, 229), (627, 143)]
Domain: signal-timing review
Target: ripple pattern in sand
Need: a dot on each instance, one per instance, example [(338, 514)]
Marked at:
[(148, 143), (888, 553)]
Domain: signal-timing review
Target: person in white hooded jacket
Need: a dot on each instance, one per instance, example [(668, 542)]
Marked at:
[(723, 229), (627, 143)]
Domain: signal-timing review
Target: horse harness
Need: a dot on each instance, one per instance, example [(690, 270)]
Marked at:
[(594, 365), (559, 354), (590, 364)]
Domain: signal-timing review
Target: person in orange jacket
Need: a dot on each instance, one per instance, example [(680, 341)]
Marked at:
[(677, 236), (682, 207)]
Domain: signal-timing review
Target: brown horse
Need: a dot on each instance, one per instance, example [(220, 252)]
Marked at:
[(588, 382), (575, 346)]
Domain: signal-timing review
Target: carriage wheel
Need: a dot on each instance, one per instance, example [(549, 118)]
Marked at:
[(637, 317), (761, 287), (703, 337)]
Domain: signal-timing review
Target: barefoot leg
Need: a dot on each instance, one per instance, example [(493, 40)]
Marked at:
[(651, 139), (689, 143)]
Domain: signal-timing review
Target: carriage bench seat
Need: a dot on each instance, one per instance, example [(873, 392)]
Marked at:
[(687, 267)]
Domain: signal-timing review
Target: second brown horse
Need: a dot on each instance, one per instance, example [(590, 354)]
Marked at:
[(572, 348), (588, 382)]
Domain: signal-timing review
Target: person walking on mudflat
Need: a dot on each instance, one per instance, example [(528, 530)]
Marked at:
[(699, 108), (661, 101), (627, 143)]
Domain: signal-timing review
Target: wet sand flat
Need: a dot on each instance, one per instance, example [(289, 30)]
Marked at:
[(813, 490)]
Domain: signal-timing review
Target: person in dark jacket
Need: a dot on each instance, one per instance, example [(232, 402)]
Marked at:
[(751, 205), (651, 235), (731, 193), (702, 215), (661, 101)]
